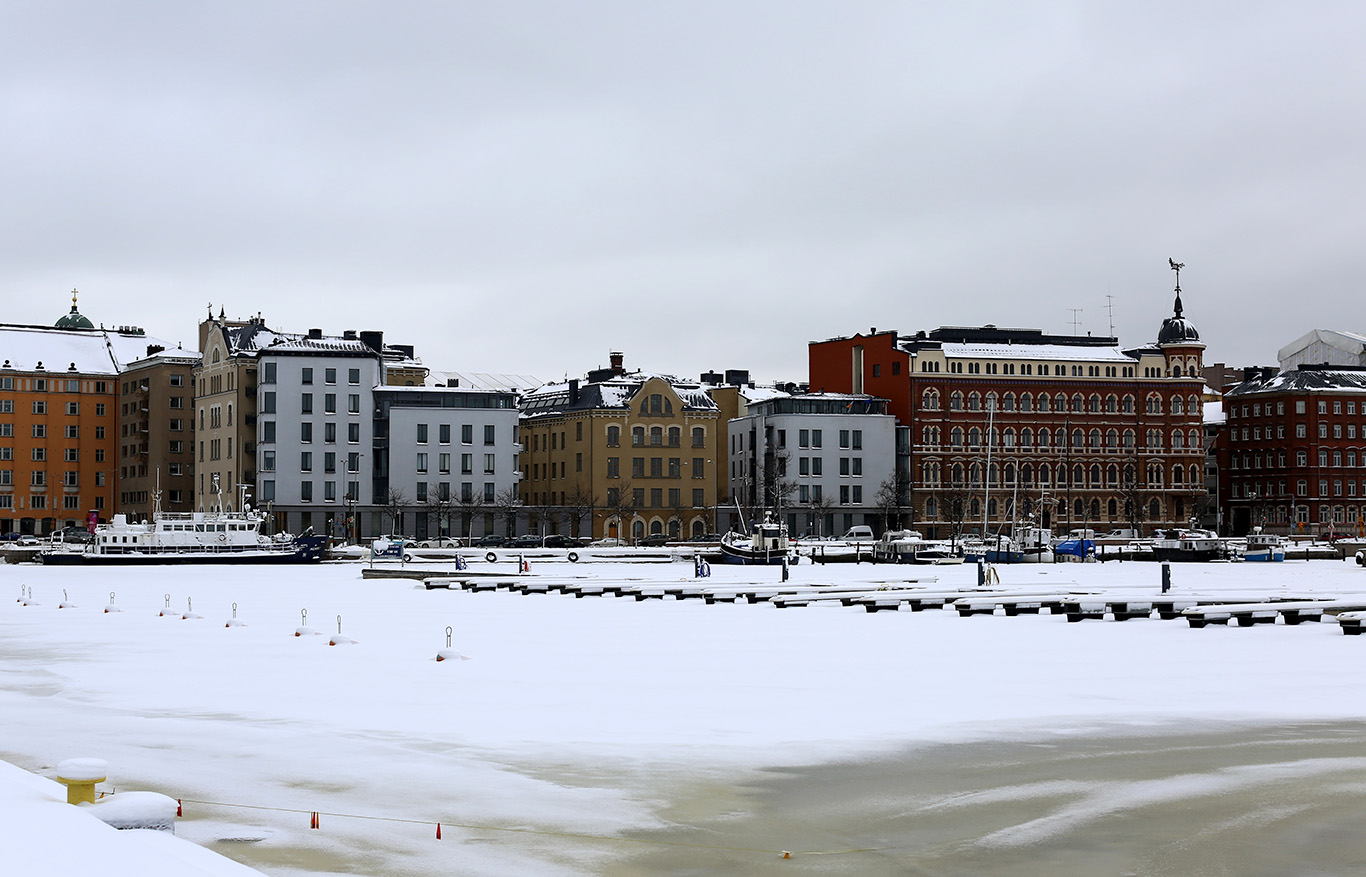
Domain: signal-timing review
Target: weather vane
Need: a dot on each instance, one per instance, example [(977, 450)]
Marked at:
[(1176, 266)]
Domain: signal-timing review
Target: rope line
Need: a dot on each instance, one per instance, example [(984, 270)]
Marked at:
[(561, 834)]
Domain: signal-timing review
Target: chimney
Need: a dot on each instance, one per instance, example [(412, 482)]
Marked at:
[(349, 335), (315, 334), (615, 357), (573, 391), (373, 340)]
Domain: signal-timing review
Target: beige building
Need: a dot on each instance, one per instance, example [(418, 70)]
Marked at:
[(225, 408), (156, 433), (621, 454)]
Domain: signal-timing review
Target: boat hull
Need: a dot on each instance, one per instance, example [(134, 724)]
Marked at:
[(1187, 555), (306, 549), (741, 556)]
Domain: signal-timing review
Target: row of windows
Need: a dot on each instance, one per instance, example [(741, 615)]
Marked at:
[(1256, 409), (421, 493), (306, 432), (39, 502), (973, 437), (1336, 459), (959, 367), (270, 372), (657, 497), (46, 385), (1264, 489), (659, 467), (1093, 404), (1254, 433), (443, 433), (72, 409), (1094, 475)]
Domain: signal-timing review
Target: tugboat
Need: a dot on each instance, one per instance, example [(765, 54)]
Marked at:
[(767, 546), (909, 546), (217, 536), (1264, 547)]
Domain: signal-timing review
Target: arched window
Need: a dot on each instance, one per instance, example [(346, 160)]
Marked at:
[(1008, 402), (1026, 474), (1112, 438), (974, 474), (956, 436), (1093, 404), (957, 474), (1111, 404), (1178, 405), (1008, 438), (1195, 475), (974, 437), (956, 401), (1026, 438), (1095, 475), (1077, 507), (1112, 507), (931, 508), (1095, 510), (1044, 437), (637, 436), (1178, 475), (1010, 473), (1154, 510), (974, 401), (656, 436), (1193, 440), (1112, 476), (976, 508), (1026, 402), (1128, 406), (991, 507), (1128, 438), (1060, 402), (992, 404), (229, 414), (1095, 438), (1077, 441), (675, 436), (1045, 474), (1178, 438), (1077, 402), (930, 400), (1043, 402), (1154, 404)]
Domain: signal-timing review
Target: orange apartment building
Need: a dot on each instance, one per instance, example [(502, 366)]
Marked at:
[(59, 398)]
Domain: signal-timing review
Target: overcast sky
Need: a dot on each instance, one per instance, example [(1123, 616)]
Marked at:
[(522, 187)]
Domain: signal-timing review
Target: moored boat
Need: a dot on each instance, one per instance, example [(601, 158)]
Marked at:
[(1188, 546), (1264, 547), (190, 537), (768, 545)]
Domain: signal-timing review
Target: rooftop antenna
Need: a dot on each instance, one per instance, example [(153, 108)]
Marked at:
[(1076, 320), (1110, 306)]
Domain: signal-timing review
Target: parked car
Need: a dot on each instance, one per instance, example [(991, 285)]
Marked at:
[(557, 540), (490, 540), (79, 535), (11, 536), (654, 540), (528, 541), (1335, 536), (440, 542)]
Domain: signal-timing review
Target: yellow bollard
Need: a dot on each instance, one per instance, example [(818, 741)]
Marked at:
[(80, 775)]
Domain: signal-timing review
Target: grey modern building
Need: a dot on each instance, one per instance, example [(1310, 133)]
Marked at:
[(818, 459)]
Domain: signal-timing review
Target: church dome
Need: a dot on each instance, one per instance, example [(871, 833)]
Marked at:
[(74, 320)]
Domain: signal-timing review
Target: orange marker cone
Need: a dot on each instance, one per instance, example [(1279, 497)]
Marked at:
[(314, 822), (438, 831), (179, 809)]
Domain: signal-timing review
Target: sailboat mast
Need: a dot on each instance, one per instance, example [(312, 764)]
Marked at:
[(986, 476)]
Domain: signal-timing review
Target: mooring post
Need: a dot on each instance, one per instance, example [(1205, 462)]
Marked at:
[(1166, 577)]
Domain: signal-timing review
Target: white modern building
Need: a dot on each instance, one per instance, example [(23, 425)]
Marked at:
[(443, 457), (818, 459), (315, 431)]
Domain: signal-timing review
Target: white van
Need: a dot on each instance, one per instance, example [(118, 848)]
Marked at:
[(859, 534)]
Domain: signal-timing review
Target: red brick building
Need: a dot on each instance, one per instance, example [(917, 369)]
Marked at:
[(1293, 452), (1009, 425)]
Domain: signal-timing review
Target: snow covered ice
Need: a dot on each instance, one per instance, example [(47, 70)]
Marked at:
[(579, 720)]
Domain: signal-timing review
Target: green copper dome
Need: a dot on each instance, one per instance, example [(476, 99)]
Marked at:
[(74, 320)]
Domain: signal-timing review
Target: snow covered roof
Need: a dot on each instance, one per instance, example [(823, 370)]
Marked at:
[(1035, 351), (613, 393), (488, 380), (1306, 379), (91, 351)]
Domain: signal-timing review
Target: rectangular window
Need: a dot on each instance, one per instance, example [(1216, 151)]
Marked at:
[(803, 465), (6, 406), (858, 494), (330, 375), (305, 491), (38, 455), (467, 464), (72, 431), (40, 407), (306, 376), (353, 403), (353, 376), (815, 465), (858, 439), (329, 403), (466, 434), (803, 438), (844, 439), (613, 467), (177, 424), (330, 491), (353, 433), (353, 462), (422, 491), (6, 429), (637, 467), (306, 432), (443, 433), (267, 491), (267, 461), (268, 372), (330, 432), (844, 466), (267, 431), (73, 409), (422, 433), (330, 462), (488, 463), (488, 434), (488, 491), (267, 403), (844, 494), (858, 466), (444, 463), (422, 462), (306, 461)]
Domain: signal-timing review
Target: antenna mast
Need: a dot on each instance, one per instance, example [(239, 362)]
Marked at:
[(1076, 320), (1110, 306)]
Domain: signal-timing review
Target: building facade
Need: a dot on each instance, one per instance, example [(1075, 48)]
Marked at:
[(444, 456), (1293, 454), (818, 460), (156, 433), (621, 454), (59, 421), (1012, 425)]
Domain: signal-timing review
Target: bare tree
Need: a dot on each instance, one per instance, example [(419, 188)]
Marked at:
[(954, 501), (508, 506), (821, 508), (439, 507), (394, 504), (579, 502), (471, 506), (622, 505)]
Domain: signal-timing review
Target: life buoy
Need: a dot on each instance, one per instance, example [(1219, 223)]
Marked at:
[(573, 557), (490, 557)]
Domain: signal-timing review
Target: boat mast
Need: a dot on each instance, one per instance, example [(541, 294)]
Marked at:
[(986, 476)]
